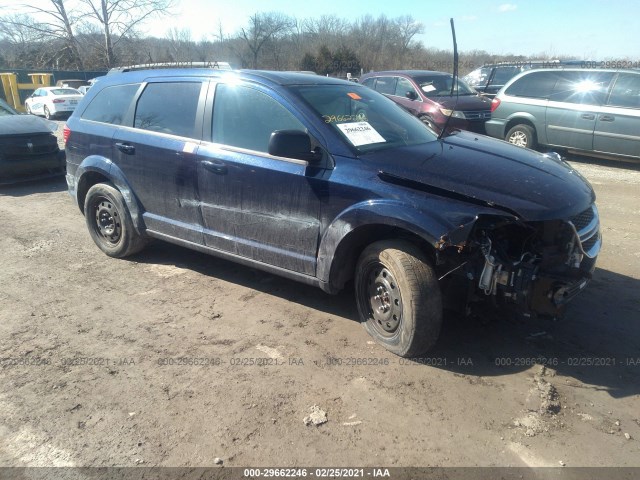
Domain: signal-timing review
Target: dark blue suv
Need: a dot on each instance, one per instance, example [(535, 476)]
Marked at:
[(330, 183)]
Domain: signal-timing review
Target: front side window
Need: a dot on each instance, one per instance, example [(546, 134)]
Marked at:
[(169, 107), (403, 87), (245, 118), (626, 91), (365, 119), (110, 105)]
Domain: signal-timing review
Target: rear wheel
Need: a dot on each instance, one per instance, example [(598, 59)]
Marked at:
[(109, 222), (522, 135), (398, 297)]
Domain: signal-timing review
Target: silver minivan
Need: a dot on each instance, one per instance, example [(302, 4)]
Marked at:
[(588, 111)]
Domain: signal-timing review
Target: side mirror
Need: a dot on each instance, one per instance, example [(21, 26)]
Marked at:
[(292, 144), (411, 95)]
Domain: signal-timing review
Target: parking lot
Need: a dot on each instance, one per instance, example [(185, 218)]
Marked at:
[(175, 358)]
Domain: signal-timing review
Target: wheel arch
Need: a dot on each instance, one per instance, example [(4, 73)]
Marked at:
[(522, 119), (95, 170), (354, 230)]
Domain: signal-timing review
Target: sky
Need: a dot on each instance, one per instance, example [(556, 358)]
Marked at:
[(583, 29)]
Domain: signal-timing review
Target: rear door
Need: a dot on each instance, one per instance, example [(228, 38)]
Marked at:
[(618, 123), (158, 155), (573, 107)]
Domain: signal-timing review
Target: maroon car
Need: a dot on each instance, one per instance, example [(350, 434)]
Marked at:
[(427, 95)]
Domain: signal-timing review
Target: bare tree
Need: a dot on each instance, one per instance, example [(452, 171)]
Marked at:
[(49, 23), (263, 28), (119, 19)]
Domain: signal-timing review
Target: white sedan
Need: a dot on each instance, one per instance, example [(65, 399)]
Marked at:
[(52, 101)]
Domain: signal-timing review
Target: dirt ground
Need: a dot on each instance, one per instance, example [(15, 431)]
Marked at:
[(175, 358)]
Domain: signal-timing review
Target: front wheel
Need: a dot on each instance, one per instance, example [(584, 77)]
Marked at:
[(47, 113), (27, 108), (522, 135), (398, 297), (109, 222)]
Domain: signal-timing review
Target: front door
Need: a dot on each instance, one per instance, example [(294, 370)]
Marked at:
[(253, 204)]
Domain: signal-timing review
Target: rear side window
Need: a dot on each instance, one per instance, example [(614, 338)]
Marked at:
[(369, 82), (386, 85), (626, 91), (245, 118), (533, 85), (169, 107), (584, 87), (111, 104)]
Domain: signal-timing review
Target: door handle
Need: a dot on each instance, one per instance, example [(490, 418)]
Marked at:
[(607, 118), (588, 116), (125, 148), (216, 167)]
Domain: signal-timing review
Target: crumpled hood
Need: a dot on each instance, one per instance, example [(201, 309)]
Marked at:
[(479, 169), (24, 125)]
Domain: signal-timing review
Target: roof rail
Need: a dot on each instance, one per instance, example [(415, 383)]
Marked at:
[(154, 66)]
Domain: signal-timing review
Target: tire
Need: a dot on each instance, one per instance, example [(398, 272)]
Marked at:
[(27, 108), (109, 222), (398, 297), (522, 135), (47, 113)]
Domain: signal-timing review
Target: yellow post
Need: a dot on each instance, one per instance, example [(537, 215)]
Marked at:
[(11, 86)]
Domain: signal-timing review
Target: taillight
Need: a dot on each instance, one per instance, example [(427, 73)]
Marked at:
[(66, 133), (58, 100), (494, 104)]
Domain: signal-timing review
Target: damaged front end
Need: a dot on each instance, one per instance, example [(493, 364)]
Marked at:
[(532, 268)]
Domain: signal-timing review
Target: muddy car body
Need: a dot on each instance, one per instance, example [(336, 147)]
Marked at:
[(325, 181)]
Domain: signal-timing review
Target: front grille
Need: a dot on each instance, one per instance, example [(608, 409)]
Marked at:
[(477, 115), (587, 225), (583, 219)]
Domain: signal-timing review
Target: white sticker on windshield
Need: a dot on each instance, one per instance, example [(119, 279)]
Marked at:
[(428, 88), (360, 133)]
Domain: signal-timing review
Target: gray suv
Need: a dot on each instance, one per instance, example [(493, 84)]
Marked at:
[(588, 111)]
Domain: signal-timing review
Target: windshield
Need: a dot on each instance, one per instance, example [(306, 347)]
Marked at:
[(366, 119), (440, 86)]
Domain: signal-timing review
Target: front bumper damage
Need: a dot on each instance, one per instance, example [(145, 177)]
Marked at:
[(533, 268)]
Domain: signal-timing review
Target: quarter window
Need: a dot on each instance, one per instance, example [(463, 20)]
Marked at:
[(245, 118), (111, 104), (169, 108), (533, 85)]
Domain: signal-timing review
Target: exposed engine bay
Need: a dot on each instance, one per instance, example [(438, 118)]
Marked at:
[(533, 267)]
